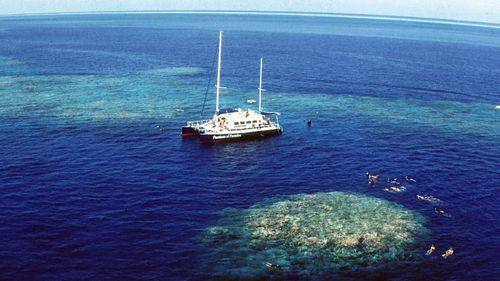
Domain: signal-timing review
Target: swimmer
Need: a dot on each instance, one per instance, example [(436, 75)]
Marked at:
[(431, 249), (393, 180), (395, 189), (272, 265), (400, 188), (372, 180), (410, 179), (448, 253), (441, 212), (428, 198)]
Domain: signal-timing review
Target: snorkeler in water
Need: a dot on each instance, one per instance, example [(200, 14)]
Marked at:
[(395, 189), (428, 198), (410, 179), (393, 180), (160, 127), (372, 180), (431, 249), (441, 212), (448, 253)]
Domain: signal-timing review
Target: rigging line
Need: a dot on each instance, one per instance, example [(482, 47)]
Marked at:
[(209, 82)]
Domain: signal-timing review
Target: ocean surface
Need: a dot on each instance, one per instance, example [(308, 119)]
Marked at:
[(97, 184)]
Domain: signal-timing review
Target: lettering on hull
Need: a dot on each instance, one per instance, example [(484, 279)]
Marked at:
[(235, 137), (227, 136)]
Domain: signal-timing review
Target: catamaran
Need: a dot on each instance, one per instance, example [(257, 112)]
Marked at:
[(231, 124)]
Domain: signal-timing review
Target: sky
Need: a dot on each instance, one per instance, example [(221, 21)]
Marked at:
[(466, 10)]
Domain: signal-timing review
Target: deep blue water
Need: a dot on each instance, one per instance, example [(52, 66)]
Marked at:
[(92, 189)]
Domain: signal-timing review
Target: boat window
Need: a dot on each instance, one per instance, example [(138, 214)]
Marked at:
[(254, 121), (236, 123), (249, 122)]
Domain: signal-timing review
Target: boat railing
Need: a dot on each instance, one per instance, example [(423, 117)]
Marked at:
[(197, 123), (276, 119), (272, 125)]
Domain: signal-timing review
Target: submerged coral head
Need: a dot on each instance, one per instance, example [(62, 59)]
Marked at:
[(315, 234)]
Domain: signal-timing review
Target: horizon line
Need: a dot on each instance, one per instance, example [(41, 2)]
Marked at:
[(274, 13)]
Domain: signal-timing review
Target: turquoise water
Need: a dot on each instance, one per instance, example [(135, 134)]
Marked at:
[(156, 93)]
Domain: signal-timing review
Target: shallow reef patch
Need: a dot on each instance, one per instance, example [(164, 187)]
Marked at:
[(312, 236)]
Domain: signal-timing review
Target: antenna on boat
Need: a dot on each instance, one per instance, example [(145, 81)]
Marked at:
[(217, 86), (260, 87)]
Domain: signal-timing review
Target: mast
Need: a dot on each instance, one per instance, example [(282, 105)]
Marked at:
[(260, 87), (217, 86)]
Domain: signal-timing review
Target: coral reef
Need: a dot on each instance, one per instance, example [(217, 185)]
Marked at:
[(312, 234)]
